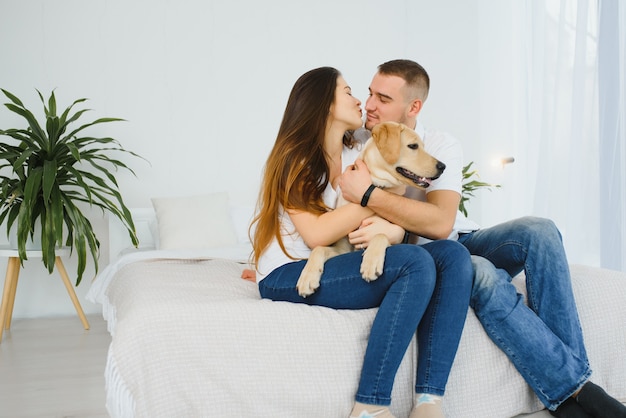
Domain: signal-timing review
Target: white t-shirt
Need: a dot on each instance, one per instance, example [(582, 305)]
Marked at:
[(274, 257)]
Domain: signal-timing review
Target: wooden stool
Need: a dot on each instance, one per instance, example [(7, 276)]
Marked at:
[(10, 284)]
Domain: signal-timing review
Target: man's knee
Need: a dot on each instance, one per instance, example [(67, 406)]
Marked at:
[(486, 278), (483, 269), (537, 227)]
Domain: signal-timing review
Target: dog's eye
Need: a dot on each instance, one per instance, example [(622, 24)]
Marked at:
[(414, 146)]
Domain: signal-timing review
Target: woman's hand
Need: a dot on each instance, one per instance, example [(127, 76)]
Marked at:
[(248, 274), (375, 225)]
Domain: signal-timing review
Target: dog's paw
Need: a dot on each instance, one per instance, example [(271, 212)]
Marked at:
[(372, 265), (308, 282)]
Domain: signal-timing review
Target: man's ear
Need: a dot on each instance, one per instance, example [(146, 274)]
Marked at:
[(415, 107)]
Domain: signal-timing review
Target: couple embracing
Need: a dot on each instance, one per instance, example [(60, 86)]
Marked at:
[(429, 279)]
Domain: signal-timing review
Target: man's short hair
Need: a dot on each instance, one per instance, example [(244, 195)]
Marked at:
[(416, 77)]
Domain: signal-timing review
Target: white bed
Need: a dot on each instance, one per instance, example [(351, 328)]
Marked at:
[(190, 338)]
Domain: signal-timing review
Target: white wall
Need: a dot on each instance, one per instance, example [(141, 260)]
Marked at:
[(203, 84)]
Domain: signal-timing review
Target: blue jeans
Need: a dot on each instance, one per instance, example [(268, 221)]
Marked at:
[(544, 339), (403, 295), (440, 330)]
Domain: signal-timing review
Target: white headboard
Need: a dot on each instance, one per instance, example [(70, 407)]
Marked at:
[(145, 225)]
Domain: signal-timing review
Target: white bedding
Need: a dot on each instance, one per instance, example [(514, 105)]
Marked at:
[(192, 339), (97, 292)]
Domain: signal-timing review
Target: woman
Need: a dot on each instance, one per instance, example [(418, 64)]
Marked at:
[(296, 212)]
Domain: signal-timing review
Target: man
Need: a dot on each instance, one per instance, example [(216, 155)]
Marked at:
[(544, 339)]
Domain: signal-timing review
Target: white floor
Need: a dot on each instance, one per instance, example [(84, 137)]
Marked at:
[(53, 368)]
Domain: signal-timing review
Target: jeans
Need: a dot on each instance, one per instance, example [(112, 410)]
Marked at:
[(544, 339), (440, 330), (404, 297)]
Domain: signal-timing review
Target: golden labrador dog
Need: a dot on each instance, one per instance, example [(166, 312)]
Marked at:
[(395, 156)]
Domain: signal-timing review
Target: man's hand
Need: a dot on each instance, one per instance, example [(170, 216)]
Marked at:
[(375, 225), (355, 181)]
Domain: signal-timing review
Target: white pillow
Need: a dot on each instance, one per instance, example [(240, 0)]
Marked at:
[(194, 222), (242, 217)]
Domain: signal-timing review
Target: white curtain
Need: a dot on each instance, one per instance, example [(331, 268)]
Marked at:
[(612, 132), (570, 84)]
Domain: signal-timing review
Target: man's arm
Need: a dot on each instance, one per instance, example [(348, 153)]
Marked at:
[(433, 219)]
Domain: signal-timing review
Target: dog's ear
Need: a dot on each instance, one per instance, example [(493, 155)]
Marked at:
[(387, 139)]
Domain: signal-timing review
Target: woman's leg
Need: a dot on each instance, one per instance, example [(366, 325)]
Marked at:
[(401, 293), (440, 329)]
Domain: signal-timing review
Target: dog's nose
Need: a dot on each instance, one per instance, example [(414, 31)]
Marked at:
[(440, 166)]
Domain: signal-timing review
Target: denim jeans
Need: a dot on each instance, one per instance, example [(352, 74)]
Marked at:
[(544, 339), (440, 330), (403, 295)]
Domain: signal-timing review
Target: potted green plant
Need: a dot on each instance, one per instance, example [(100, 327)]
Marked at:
[(470, 185), (49, 171)]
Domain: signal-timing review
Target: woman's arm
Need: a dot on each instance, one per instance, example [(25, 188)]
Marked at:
[(375, 225), (328, 228)]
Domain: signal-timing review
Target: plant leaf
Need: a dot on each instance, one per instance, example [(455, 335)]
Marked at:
[(469, 186), (37, 133), (49, 178), (13, 98)]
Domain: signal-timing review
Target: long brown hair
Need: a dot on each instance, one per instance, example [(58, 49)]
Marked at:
[(297, 172)]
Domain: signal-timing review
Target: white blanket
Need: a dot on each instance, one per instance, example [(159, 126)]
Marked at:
[(192, 339)]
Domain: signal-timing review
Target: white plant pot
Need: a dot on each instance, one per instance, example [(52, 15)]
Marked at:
[(31, 244)]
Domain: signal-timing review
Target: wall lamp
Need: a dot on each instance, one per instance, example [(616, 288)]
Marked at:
[(504, 161)]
